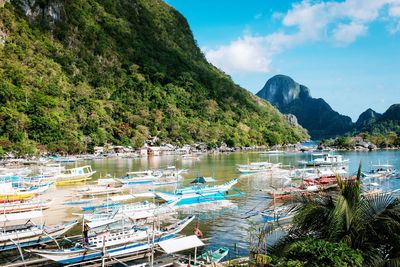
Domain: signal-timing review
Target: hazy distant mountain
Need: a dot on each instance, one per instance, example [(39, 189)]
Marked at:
[(314, 114)]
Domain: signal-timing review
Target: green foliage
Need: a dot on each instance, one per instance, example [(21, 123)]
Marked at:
[(117, 71), (391, 139), (314, 252), (345, 142)]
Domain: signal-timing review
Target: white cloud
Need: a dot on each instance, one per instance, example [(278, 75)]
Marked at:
[(246, 54), (339, 22), (344, 34), (394, 10)]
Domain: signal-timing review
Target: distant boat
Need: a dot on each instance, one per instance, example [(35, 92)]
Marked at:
[(380, 171), (325, 159), (96, 190), (256, 167), (272, 152), (291, 192), (74, 175), (139, 177)]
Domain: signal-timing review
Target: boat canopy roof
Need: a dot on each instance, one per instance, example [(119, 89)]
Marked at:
[(21, 216), (179, 244)]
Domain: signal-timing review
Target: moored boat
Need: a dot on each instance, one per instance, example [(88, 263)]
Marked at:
[(9, 193), (380, 171), (256, 167), (325, 159), (21, 206), (28, 234), (139, 177), (83, 253), (198, 193), (74, 175)]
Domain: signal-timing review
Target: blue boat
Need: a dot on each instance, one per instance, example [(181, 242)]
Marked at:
[(198, 194)]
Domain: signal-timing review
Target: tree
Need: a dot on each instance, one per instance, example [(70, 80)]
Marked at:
[(344, 142), (370, 224)]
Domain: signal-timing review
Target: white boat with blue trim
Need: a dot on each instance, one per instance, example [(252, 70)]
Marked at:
[(197, 194), (120, 247), (28, 234)]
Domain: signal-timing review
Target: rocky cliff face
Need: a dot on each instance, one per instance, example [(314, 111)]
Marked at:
[(282, 90), (315, 115)]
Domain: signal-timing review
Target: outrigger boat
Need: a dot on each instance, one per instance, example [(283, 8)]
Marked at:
[(380, 171), (140, 177), (113, 246), (135, 211), (22, 206), (256, 167), (8, 193), (28, 234), (74, 175), (96, 190), (290, 192), (280, 214), (197, 194)]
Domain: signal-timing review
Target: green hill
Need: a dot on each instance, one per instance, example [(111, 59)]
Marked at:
[(384, 123), (74, 74)]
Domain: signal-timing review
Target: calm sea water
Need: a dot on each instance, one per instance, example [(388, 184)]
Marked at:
[(227, 223)]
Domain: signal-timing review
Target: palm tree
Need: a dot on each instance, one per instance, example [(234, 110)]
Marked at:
[(370, 224)]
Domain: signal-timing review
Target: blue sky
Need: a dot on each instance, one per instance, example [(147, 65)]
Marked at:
[(347, 52)]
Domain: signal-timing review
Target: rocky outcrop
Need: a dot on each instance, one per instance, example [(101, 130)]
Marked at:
[(282, 90), (292, 120), (314, 114)]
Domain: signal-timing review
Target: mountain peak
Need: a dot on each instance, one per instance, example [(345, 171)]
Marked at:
[(367, 117), (282, 90), (313, 114)]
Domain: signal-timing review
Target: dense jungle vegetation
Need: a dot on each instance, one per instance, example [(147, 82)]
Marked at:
[(75, 74)]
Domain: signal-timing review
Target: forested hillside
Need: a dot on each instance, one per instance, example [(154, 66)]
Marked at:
[(74, 74)]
